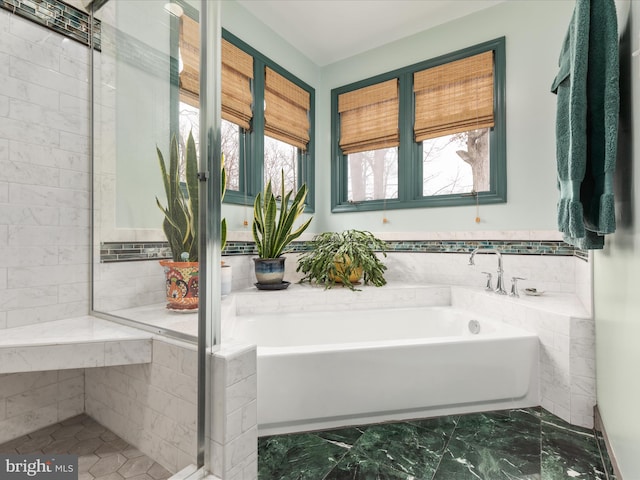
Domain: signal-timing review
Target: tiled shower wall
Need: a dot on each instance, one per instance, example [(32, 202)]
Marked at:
[(45, 182), (32, 400), (44, 208), (151, 405)]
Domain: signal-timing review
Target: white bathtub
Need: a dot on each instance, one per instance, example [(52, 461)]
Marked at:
[(327, 369)]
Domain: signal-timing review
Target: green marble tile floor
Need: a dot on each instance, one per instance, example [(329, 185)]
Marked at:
[(521, 444)]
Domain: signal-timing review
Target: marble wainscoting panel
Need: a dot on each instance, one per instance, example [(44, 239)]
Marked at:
[(243, 275), (127, 285), (151, 406), (305, 297), (584, 283), (32, 400), (552, 273), (582, 361)]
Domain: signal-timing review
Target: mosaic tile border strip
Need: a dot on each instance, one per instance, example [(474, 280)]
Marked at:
[(135, 251), (57, 16)]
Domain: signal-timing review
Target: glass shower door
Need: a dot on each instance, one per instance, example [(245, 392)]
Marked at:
[(146, 108)]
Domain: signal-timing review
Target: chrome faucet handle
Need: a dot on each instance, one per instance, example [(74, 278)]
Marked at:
[(488, 286), (514, 286)]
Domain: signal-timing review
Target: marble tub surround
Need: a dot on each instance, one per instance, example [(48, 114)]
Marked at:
[(554, 273), (72, 343), (234, 424), (308, 298), (567, 345), (522, 444), (101, 453), (563, 324), (548, 272)]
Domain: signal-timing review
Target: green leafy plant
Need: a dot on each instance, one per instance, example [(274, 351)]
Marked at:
[(180, 223), (272, 226), (334, 257)]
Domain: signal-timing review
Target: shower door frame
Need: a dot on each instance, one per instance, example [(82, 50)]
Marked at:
[(209, 321)]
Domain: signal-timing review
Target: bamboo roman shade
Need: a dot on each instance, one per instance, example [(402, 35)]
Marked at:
[(189, 44), (237, 72), (454, 97), (369, 118), (286, 114)]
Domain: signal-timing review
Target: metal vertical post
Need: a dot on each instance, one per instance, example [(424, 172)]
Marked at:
[(210, 216)]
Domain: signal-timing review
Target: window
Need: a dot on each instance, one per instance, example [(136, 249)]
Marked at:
[(431, 134), (286, 128), (369, 138), (237, 111), (189, 84), (275, 134), (267, 116)]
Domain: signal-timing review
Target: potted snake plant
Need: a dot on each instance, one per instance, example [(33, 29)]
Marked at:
[(180, 226), (273, 230), (344, 257)]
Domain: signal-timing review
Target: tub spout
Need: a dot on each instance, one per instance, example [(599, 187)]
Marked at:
[(500, 283)]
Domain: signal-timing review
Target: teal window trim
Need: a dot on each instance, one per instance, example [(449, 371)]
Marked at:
[(252, 141), (410, 152)]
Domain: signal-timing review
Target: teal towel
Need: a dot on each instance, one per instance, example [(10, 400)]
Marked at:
[(588, 98)]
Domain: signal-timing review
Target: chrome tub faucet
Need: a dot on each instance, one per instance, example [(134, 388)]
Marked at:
[(500, 282)]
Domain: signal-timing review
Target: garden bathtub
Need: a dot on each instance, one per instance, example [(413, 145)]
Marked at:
[(335, 368)]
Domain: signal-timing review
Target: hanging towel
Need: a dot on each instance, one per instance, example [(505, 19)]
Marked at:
[(588, 98)]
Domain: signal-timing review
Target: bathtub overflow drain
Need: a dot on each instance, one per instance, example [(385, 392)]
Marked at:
[(474, 326)]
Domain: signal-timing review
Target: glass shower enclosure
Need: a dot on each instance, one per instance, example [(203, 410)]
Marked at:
[(155, 80)]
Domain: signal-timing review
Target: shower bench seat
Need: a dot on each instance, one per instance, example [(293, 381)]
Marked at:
[(80, 342)]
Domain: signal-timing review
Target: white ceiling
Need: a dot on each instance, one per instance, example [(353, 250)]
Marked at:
[(330, 30)]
